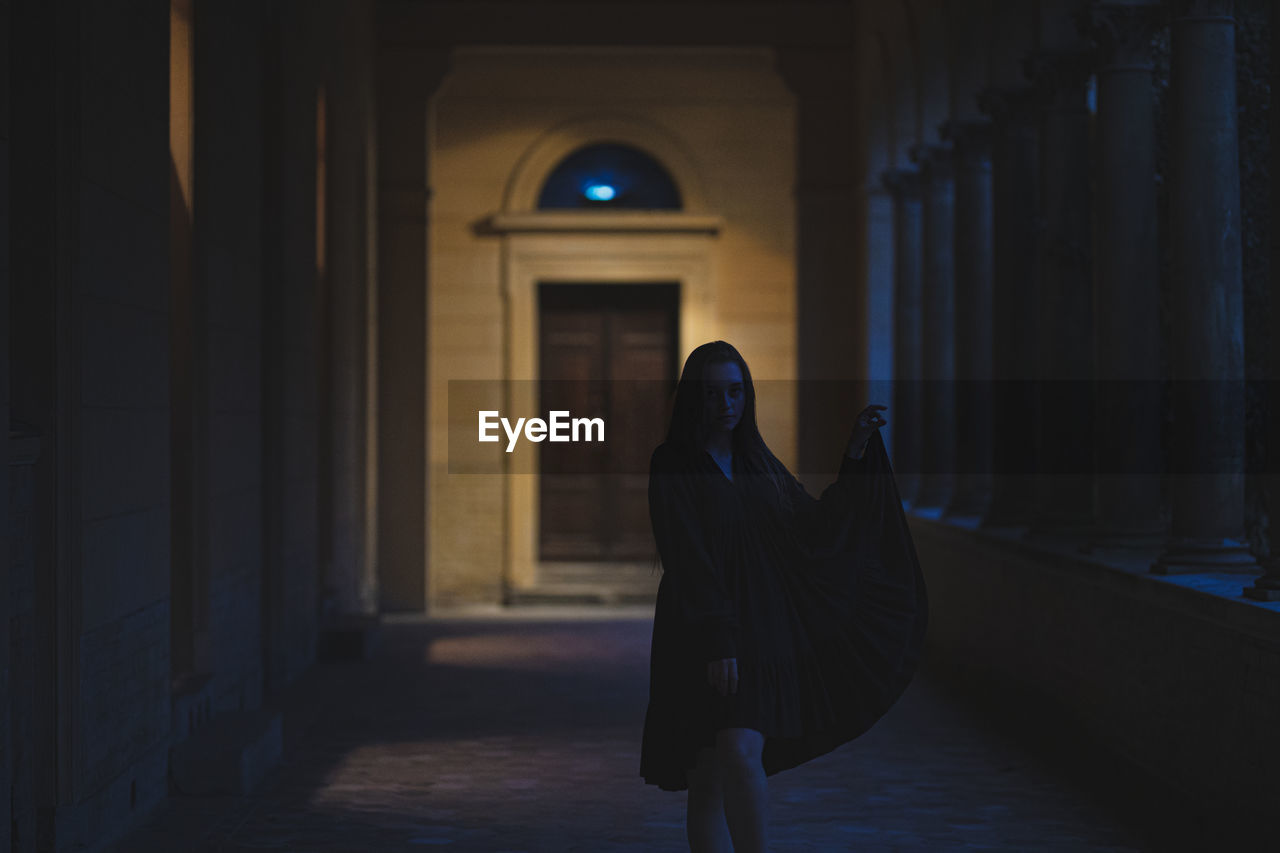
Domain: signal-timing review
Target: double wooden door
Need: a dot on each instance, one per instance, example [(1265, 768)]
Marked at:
[(605, 351)]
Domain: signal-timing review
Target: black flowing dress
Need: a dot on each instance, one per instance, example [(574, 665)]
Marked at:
[(823, 604)]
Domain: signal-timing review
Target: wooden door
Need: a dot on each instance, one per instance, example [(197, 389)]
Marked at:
[(605, 351)]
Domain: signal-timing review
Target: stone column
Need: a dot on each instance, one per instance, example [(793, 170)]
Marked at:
[(831, 315), (290, 348), (1126, 278), (973, 280), (908, 336), (1064, 421), (406, 78), (350, 580), (1015, 183), (938, 327), (1207, 524)]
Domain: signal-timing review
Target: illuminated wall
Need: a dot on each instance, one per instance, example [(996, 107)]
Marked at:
[(720, 120)]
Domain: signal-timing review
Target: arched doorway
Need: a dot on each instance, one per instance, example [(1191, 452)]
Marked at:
[(606, 280)]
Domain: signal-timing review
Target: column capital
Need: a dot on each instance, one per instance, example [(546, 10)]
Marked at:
[(1060, 77), (970, 140), (902, 183), (934, 159), (1122, 32)]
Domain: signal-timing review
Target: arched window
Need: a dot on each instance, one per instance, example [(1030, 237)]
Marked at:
[(607, 176)]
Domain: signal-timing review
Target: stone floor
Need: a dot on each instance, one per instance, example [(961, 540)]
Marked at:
[(492, 730)]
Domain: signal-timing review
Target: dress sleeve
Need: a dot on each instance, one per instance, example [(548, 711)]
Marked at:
[(704, 603)]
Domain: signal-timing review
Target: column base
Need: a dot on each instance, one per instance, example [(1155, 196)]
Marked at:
[(1214, 555), (352, 636), (1258, 593), (1267, 587), (230, 756)]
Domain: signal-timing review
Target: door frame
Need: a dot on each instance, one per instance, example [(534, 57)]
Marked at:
[(594, 248)]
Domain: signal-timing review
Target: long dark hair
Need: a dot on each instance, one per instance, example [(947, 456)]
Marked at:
[(688, 428)]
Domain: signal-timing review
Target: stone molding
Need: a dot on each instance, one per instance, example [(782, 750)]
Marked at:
[(596, 221)]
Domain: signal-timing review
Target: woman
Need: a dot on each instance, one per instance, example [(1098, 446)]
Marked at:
[(785, 625)]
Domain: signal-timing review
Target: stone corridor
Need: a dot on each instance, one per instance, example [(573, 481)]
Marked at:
[(518, 730)]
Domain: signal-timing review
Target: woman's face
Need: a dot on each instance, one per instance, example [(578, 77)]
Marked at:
[(724, 397)]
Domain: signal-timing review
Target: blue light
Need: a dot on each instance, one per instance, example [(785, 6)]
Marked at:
[(600, 192)]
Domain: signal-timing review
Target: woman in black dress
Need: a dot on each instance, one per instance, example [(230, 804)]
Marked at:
[(785, 625)]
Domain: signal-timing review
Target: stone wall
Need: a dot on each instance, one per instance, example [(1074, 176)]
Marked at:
[(111, 449), (1179, 676), (711, 117)]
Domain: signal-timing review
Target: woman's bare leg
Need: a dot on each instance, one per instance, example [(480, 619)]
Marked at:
[(746, 796), (707, 830)]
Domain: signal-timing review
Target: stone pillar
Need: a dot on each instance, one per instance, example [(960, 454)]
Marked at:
[(908, 336), (831, 312), (350, 582), (1064, 419), (1015, 184), (971, 140), (290, 354), (406, 77), (938, 450), (1207, 524), (1126, 279)]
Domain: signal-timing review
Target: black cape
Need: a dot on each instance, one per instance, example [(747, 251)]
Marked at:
[(823, 604)]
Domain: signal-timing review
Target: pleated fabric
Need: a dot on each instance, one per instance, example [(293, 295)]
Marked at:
[(823, 604)]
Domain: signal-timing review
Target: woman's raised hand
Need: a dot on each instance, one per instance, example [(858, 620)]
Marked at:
[(867, 422), (723, 675)]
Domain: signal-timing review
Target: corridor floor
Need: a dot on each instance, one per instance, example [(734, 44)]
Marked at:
[(492, 730)]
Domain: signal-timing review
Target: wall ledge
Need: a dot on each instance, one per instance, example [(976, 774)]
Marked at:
[(617, 222), (1217, 596), (1179, 675)]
